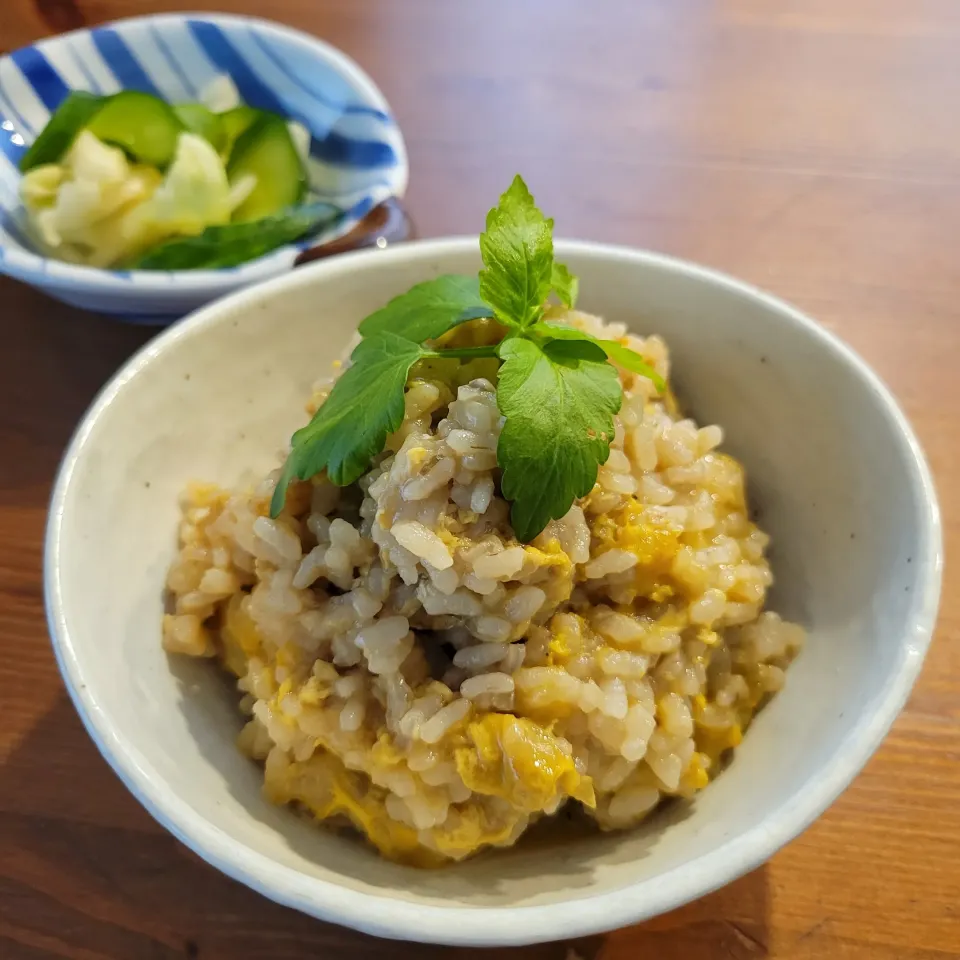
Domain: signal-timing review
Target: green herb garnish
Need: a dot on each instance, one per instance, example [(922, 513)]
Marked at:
[(351, 427), (565, 285), (558, 390), (428, 310), (558, 399), (231, 244), (517, 251), (614, 350)]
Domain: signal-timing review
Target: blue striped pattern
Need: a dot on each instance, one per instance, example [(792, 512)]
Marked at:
[(123, 62), (328, 144), (13, 107), (194, 91), (357, 156), (90, 82), (47, 83), (324, 85)]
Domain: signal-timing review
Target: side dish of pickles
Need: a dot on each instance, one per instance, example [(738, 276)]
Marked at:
[(130, 181)]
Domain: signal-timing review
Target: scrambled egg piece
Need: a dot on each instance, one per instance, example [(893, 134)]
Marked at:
[(570, 636), (327, 788), (239, 636), (471, 828), (517, 759), (696, 776), (561, 648), (715, 743), (417, 455), (654, 544), (515, 762), (550, 554)]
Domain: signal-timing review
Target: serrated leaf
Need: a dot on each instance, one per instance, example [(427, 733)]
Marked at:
[(632, 361), (565, 285), (517, 250), (614, 350), (351, 426), (429, 309), (558, 402)]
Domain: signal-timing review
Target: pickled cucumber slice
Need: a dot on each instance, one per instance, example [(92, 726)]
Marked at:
[(143, 126), (267, 151), (203, 122), (236, 122), (56, 138)]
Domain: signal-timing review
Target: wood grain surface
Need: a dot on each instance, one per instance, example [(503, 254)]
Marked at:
[(811, 147)]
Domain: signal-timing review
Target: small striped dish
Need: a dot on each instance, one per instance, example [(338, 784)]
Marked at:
[(357, 153)]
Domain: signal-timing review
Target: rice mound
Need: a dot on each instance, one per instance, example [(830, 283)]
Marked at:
[(406, 666)]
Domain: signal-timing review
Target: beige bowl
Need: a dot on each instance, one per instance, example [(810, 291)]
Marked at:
[(836, 474)]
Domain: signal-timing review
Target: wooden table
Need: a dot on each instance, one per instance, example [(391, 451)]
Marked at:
[(810, 147)]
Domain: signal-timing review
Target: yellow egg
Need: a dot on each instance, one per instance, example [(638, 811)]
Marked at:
[(551, 554), (470, 829), (325, 787), (654, 544), (558, 650), (695, 777), (516, 759), (240, 637)]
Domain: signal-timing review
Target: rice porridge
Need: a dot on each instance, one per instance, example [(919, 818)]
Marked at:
[(410, 668)]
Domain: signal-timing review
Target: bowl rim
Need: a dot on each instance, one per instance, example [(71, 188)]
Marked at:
[(499, 926), (59, 274)]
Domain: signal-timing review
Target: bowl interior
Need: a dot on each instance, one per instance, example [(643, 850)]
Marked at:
[(357, 156), (834, 479)]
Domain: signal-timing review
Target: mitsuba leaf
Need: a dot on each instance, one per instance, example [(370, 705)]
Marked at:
[(558, 399), (565, 285), (352, 424), (517, 251), (429, 309), (622, 356)]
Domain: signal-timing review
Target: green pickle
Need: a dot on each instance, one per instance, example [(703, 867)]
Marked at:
[(143, 126), (251, 143), (235, 123), (56, 138), (267, 151), (203, 122)]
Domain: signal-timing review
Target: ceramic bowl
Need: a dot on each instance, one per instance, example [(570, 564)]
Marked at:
[(836, 476), (357, 154)]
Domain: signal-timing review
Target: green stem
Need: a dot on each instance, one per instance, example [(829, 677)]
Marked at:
[(463, 352)]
